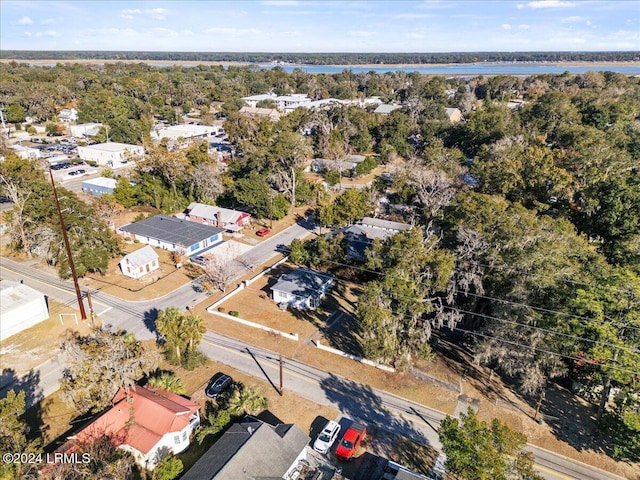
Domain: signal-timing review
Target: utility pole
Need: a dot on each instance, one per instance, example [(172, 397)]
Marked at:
[(67, 246), (280, 362), (606, 388), (535, 417)]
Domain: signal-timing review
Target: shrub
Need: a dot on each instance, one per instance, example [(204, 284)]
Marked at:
[(193, 360), (221, 309), (234, 313)]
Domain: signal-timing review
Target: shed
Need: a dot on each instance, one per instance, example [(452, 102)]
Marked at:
[(21, 307), (139, 263), (99, 186)]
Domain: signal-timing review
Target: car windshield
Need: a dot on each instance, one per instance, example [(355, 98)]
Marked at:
[(324, 437), (347, 444)]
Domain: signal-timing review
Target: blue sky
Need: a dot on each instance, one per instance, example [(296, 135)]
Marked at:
[(321, 26)]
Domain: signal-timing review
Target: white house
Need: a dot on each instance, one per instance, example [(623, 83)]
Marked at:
[(68, 115), (99, 186), (84, 130), (150, 424), (303, 288), (21, 307), (111, 154), (173, 234), (137, 264)]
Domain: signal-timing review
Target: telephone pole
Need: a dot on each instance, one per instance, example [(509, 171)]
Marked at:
[(67, 247), (280, 362)]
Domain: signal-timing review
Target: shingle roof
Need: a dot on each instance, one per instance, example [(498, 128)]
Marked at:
[(303, 282), (385, 109), (172, 230), (250, 450), (141, 257), (142, 421), (210, 212), (386, 224)]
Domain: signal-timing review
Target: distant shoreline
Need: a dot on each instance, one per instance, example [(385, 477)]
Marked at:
[(372, 65)]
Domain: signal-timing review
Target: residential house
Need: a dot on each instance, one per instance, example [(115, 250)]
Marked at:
[(386, 109), (253, 100), (111, 154), (68, 115), (137, 264), (150, 424), (253, 449), (361, 235), (85, 130), (99, 186), (303, 288), (231, 220), (454, 114), (21, 307), (173, 234), (348, 164)]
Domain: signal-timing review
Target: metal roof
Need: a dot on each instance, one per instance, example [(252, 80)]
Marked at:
[(172, 230), (303, 282)]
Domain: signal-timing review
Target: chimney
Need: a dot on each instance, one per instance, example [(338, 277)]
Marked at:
[(219, 218)]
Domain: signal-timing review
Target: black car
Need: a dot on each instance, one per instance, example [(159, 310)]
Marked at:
[(218, 384)]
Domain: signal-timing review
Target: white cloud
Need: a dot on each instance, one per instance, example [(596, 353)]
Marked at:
[(47, 21), (27, 34), (25, 21), (361, 33), (549, 4), (573, 19), (186, 33), (415, 36), (506, 26), (154, 13), (524, 26), (48, 33)]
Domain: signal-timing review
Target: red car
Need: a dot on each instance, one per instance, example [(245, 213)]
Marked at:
[(350, 442), (263, 232)]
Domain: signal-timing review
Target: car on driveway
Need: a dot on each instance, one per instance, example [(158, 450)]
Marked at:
[(350, 441), (327, 437), (263, 232), (218, 384)]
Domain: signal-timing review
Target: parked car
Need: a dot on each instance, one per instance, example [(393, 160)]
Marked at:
[(74, 173), (263, 232), (81, 171), (350, 442), (327, 437), (218, 384)]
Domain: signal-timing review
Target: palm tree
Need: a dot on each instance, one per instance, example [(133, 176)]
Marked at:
[(170, 324), (245, 400), (194, 329), (215, 422), (167, 381)]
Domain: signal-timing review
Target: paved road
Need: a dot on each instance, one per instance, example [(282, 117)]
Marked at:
[(353, 399)]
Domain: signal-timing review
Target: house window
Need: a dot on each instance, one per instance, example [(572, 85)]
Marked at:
[(194, 247), (176, 439), (184, 436)]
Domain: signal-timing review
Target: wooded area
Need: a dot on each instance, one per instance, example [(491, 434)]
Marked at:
[(527, 238)]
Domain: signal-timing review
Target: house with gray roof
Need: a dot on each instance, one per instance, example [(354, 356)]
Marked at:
[(139, 263), (360, 236), (303, 288), (386, 109), (170, 233), (252, 450)]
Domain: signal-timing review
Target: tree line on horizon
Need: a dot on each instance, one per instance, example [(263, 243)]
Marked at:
[(325, 58)]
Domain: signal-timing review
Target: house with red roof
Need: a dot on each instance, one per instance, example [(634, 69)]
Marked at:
[(148, 423)]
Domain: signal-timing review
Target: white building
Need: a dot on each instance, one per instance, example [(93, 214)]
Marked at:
[(111, 154), (85, 130), (21, 307), (137, 264), (27, 153), (186, 132), (68, 115), (99, 186)]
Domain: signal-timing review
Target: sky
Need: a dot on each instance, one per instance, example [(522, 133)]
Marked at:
[(321, 26)]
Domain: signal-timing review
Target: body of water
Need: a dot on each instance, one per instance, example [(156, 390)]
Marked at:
[(462, 69)]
